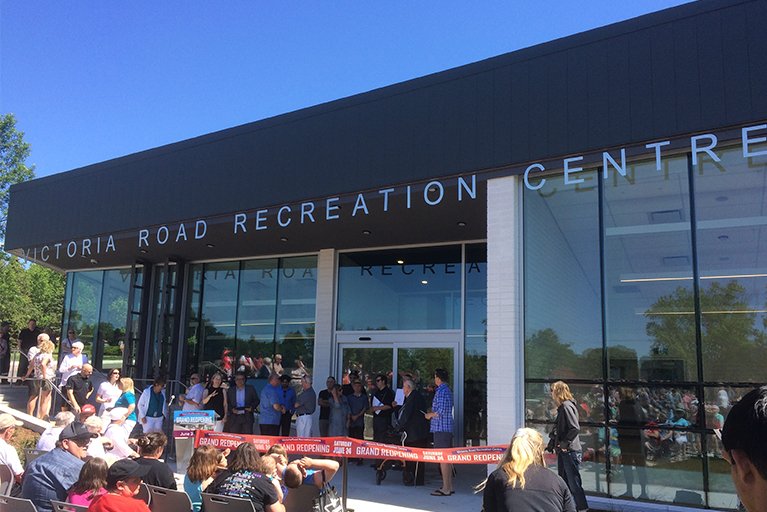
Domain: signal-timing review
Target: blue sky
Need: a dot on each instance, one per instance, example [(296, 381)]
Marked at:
[(93, 80)]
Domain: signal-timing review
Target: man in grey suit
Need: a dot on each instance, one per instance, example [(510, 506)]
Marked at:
[(242, 401), (411, 419)]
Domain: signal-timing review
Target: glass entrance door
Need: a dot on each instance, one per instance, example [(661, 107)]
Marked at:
[(400, 361)]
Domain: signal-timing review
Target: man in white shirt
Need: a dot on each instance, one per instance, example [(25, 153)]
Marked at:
[(118, 436), (8, 455), (193, 398), (72, 363), (50, 436)]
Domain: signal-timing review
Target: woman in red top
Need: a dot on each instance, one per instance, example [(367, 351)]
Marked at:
[(123, 483)]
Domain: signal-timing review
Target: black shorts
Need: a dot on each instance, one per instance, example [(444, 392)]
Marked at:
[(443, 439), (35, 386)]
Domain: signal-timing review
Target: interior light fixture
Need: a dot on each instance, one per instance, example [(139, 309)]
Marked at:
[(283, 239), (689, 278), (210, 245), (400, 262), (461, 224), (366, 232), (143, 251), (94, 261), (424, 282)]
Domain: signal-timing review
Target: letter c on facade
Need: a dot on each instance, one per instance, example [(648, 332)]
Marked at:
[(541, 183)]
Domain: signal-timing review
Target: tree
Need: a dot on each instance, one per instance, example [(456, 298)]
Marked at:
[(13, 169)]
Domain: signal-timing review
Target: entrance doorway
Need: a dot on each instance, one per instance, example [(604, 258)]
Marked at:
[(401, 359)]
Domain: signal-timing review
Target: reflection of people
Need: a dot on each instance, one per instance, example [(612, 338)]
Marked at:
[(744, 437), (522, 481), (441, 417), (630, 418), (67, 342), (565, 441)]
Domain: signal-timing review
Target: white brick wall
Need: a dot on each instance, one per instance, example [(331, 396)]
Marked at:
[(324, 323), (505, 363)]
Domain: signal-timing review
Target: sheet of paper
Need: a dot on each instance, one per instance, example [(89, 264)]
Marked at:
[(399, 396), (376, 402)]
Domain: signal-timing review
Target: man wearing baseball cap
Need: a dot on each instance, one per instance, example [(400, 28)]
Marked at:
[(50, 476), (8, 455), (123, 483), (72, 362)]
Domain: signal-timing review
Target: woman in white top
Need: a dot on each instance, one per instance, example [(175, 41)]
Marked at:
[(73, 362), (109, 391), (44, 367)]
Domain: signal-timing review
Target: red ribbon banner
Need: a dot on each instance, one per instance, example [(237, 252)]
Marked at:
[(354, 448)]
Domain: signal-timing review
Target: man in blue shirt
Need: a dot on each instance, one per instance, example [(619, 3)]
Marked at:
[(50, 476), (441, 417), (271, 407), (288, 402)]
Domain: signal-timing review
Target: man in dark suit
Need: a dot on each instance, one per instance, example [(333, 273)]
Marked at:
[(242, 400), (410, 418)]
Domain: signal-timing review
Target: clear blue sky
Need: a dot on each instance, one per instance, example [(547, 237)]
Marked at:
[(93, 80)]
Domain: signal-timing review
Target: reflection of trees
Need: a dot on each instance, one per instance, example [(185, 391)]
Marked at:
[(733, 347)]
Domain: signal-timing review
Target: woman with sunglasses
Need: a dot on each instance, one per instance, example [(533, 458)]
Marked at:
[(109, 391)]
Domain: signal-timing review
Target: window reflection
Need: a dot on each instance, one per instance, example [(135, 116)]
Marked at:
[(401, 289), (563, 331)]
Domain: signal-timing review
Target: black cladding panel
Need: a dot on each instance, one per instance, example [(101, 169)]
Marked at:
[(700, 66)]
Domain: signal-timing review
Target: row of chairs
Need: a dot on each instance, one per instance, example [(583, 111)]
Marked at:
[(158, 499)]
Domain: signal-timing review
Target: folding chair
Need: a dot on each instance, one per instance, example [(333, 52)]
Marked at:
[(8, 504), (218, 503), (143, 494), (7, 479), (60, 506), (31, 454), (168, 500)]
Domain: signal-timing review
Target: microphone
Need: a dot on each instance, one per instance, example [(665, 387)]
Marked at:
[(172, 397)]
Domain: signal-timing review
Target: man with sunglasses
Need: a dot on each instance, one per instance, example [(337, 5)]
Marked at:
[(51, 475), (744, 437)]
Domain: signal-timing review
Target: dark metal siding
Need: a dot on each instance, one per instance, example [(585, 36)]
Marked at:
[(696, 67)]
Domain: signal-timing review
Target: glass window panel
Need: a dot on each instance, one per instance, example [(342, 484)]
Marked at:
[(475, 353), (193, 333), (593, 468), (219, 312), (85, 306), (723, 397), (297, 304), (376, 292), (721, 491), (257, 306), (114, 314), (649, 301), (642, 406), (731, 219), (420, 363), (563, 329), (540, 406)]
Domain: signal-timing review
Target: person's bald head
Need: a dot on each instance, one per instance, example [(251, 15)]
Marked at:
[(87, 370)]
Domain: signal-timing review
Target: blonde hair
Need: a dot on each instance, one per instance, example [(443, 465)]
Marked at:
[(127, 385), (561, 392), (525, 450), (47, 346)]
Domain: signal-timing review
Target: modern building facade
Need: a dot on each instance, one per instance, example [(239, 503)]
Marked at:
[(590, 209)]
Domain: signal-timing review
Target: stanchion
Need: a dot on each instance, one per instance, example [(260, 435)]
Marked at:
[(345, 480)]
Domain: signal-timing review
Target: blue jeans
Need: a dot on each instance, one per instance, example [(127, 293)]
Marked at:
[(567, 467)]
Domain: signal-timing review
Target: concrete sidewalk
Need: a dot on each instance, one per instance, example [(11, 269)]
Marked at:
[(365, 496)]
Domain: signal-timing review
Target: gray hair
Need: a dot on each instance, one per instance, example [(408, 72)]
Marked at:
[(63, 418), (409, 383), (307, 379)]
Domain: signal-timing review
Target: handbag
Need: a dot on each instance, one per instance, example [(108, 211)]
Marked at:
[(327, 500)]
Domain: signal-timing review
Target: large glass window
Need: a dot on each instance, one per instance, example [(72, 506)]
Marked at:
[(242, 314), (475, 344), (400, 289), (96, 307), (563, 330), (672, 262)]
